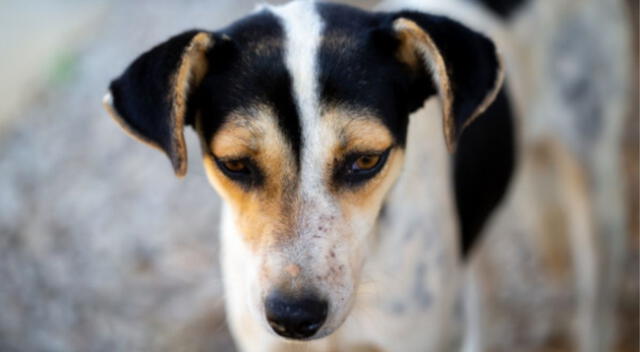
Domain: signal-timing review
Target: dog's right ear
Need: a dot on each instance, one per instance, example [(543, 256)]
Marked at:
[(150, 100)]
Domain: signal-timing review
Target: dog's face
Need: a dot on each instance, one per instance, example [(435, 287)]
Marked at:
[(302, 112), (304, 218)]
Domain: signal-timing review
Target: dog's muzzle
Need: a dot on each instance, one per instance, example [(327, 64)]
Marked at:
[(295, 317)]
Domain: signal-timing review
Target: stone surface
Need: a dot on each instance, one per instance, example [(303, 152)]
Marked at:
[(101, 247)]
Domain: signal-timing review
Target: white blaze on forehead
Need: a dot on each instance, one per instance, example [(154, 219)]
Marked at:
[(303, 33), (303, 28), (315, 226)]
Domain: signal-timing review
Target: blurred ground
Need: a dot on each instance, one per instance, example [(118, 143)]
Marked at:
[(98, 251), (27, 62), (101, 247)]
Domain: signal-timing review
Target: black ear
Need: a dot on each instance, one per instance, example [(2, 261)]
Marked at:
[(150, 100), (464, 67)]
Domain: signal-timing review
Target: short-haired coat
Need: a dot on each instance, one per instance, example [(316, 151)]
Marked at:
[(344, 200)]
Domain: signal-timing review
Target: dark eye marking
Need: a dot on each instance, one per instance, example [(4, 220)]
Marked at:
[(241, 170), (357, 168)]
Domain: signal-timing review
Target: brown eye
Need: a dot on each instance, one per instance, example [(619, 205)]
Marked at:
[(360, 167), (243, 171), (235, 165), (366, 162)]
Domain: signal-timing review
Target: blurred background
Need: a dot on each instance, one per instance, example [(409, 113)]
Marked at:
[(103, 249)]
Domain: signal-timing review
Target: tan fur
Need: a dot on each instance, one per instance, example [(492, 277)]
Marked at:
[(418, 48), (364, 135), (266, 215), (293, 270), (361, 131), (263, 214), (191, 70), (261, 218), (296, 241)]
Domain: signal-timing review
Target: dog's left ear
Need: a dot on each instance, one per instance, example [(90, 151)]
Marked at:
[(463, 66), (150, 100)]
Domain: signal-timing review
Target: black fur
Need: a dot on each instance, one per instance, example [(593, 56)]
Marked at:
[(504, 8), (241, 75), (471, 61), (363, 72), (141, 95), (357, 68), (484, 158), (483, 166)]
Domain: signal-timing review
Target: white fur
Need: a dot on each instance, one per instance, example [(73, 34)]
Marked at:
[(303, 34), (308, 250), (374, 320), (303, 27)]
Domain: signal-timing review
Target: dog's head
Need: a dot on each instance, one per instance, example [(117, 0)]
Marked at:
[(302, 111)]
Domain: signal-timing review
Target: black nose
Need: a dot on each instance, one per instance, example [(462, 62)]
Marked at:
[(295, 317)]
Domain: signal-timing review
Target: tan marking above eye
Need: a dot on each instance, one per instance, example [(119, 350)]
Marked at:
[(358, 130), (366, 135), (252, 136), (366, 162), (233, 140)]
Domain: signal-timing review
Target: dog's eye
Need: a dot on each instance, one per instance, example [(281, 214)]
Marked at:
[(359, 167), (241, 170), (235, 166), (366, 162)]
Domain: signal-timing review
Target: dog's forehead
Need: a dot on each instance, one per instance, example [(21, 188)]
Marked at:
[(304, 59)]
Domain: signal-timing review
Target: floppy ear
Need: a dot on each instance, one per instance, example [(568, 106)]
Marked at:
[(150, 100), (463, 65)]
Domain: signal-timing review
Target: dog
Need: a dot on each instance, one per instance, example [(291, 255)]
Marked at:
[(303, 115), (360, 156)]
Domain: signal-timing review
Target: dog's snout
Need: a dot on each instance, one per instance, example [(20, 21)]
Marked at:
[(295, 317)]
